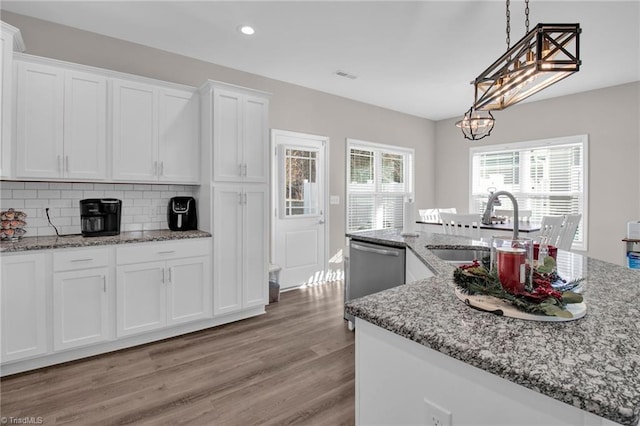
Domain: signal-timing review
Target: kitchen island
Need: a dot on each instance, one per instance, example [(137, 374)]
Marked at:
[(419, 347)]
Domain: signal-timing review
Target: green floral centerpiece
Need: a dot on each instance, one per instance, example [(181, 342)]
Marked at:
[(540, 298)]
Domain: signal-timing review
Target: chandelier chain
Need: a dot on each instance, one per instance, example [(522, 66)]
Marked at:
[(508, 25), (526, 15)]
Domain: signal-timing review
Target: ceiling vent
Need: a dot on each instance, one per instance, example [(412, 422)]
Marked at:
[(345, 74)]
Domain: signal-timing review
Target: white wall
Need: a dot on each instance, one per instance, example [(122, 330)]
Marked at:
[(611, 118), (292, 107)]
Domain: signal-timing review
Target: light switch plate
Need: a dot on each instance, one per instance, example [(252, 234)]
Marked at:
[(334, 200)]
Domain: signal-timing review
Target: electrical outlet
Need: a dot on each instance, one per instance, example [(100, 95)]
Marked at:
[(436, 415)]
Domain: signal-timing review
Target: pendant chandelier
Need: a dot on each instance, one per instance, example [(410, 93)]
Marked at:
[(476, 124), (545, 55)]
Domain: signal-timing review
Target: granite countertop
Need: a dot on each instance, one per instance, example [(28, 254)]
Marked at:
[(592, 363), (54, 242)]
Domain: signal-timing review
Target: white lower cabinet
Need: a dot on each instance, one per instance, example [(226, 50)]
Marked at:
[(160, 285), (80, 307), (24, 308)]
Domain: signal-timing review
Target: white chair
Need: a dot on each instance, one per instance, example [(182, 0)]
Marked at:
[(429, 215), (568, 232), (433, 215), (467, 225), (550, 229), (523, 215)]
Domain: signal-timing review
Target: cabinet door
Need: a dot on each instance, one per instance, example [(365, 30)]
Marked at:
[(85, 126), (227, 249), (255, 268), (23, 304), (227, 136), (189, 289), (6, 89), (141, 298), (179, 142), (39, 121), (255, 149), (80, 310), (135, 131)]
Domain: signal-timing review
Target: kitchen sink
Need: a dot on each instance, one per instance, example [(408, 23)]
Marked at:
[(461, 256)]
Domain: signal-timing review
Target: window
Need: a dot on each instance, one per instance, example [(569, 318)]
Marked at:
[(548, 177), (379, 178)]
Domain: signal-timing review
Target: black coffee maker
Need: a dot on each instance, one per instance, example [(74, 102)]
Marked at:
[(100, 216), (181, 214)]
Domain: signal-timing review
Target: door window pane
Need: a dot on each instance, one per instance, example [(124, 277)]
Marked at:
[(300, 182)]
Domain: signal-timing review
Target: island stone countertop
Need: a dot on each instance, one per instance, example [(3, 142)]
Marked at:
[(592, 363), (55, 242)]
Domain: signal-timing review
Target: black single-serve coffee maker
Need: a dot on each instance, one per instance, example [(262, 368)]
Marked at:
[(100, 216), (181, 214)]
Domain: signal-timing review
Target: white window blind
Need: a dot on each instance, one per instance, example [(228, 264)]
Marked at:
[(547, 177), (379, 178)]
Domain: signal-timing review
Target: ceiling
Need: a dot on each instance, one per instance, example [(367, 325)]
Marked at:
[(414, 57)]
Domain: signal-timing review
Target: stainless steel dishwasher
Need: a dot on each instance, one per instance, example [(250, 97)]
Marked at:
[(371, 268)]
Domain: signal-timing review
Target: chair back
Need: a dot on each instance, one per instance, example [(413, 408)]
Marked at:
[(568, 232), (467, 225), (550, 229), (429, 215)]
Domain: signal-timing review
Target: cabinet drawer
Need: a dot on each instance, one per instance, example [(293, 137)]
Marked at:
[(66, 260), (151, 252)]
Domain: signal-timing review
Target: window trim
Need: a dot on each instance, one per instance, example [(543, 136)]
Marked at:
[(366, 145), (542, 143)]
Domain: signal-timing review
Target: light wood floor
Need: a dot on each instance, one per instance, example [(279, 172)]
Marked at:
[(294, 365)]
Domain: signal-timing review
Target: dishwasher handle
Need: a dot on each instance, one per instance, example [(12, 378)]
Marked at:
[(382, 252)]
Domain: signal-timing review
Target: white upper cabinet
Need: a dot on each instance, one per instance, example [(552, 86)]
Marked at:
[(238, 129), (75, 122), (155, 134), (61, 123), (135, 137), (179, 140), (10, 41)]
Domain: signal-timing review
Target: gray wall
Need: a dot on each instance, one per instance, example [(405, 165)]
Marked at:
[(611, 118), (292, 107)]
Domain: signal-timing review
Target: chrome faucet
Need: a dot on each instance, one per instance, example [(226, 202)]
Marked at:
[(486, 217)]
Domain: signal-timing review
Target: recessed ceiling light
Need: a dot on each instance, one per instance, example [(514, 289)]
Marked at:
[(246, 30)]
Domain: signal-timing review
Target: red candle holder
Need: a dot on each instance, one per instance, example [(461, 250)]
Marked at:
[(510, 259)]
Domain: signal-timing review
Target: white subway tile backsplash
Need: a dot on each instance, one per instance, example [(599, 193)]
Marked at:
[(48, 193), (144, 207), (12, 185), (58, 185), (93, 194), (36, 185), (83, 186)]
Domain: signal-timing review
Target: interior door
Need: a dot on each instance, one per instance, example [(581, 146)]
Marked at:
[(299, 230)]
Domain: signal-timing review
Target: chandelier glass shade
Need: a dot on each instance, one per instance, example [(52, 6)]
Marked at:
[(476, 125), (545, 55)]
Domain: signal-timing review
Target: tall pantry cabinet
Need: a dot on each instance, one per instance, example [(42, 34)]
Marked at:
[(234, 194)]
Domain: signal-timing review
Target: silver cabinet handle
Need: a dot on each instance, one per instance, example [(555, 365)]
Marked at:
[(155, 168), (170, 275), (166, 252), (82, 260), (104, 284), (66, 163), (59, 163), (161, 168), (163, 281), (244, 172), (245, 198), (367, 249), (239, 169)]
